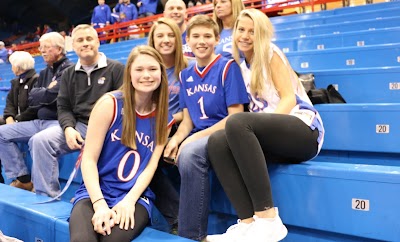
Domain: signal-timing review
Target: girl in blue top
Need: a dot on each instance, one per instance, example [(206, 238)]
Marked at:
[(282, 126), (165, 37), (225, 14), (126, 135)]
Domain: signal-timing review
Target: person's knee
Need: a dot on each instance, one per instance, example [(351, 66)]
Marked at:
[(38, 139), (216, 139), (191, 157), (236, 122)]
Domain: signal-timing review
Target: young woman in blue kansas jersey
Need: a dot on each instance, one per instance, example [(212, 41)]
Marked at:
[(211, 90), (225, 14), (165, 37), (126, 135), (282, 126)]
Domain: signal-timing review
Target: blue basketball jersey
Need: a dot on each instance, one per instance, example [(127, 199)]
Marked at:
[(208, 92), (173, 90), (187, 51), (224, 46), (120, 166)]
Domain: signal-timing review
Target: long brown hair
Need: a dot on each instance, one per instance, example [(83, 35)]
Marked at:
[(159, 98), (180, 61)]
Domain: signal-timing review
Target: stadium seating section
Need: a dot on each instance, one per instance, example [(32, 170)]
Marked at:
[(348, 193)]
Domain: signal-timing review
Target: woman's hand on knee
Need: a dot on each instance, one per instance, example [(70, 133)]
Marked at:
[(125, 213), (103, 220)]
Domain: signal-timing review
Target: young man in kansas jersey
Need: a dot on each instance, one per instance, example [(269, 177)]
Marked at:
[(126, 135), (211, 90)]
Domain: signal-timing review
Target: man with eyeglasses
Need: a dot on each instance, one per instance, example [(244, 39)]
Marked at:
[(43, 100)]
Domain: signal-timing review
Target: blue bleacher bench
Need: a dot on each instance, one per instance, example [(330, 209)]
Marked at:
[(362, 85), (336, 28), (340, 18), (23, 218), (331, 201), (365, 127), (346, 58), (336, 11), (348, 39)]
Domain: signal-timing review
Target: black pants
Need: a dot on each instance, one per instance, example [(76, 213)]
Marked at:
[(1, 175), (81, 227), (167, 197), (239, 155)]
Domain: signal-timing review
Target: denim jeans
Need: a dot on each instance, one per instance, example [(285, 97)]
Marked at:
[(45, 147), (10, 155), (46, 142), (193, 166)]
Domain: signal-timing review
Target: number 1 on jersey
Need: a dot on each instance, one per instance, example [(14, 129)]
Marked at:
[(201, 102)]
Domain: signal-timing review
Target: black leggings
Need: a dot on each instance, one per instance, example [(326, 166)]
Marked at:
[(81, 227), (239, 155), (1, 175)]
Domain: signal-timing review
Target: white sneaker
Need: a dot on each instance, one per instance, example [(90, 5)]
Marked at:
[(267, 229), (235, 233)]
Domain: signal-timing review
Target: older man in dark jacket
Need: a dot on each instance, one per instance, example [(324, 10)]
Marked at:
[(43, 102)]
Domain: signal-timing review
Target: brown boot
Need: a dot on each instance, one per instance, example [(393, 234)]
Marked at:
[(26, 186)]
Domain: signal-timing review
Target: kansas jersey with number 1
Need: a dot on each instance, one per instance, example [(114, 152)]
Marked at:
[(208, 92), (120, 166)]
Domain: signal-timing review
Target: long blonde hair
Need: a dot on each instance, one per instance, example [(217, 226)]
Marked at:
[(180, 61), (160, 98), (260, 62), (237, 7)]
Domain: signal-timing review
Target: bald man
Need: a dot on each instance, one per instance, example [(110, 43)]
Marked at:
[(176, 10)]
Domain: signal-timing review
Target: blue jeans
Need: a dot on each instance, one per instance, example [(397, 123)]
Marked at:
[(193, 166), (46, 142)]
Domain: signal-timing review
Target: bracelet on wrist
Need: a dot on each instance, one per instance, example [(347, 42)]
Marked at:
[(97, 200)]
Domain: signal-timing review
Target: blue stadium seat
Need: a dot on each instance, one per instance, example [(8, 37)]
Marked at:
[(340, 18), (348, 39), (361, 127), (337, 11), (386, 22), (362, 85), (323, 201), (29, 221), (346, 57), (347, 193)]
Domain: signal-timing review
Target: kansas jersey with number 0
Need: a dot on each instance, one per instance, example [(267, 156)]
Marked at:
[(208, 92), (120, 166)]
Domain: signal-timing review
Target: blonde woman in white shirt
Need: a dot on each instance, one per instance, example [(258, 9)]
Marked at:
[(282, 126)]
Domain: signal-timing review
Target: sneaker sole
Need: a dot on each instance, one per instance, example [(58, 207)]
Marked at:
[(281, 235)]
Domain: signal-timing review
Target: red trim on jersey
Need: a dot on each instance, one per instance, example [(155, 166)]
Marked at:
[(207, 68), (147, 115), (114, 117), (171, 123), (225, 71)]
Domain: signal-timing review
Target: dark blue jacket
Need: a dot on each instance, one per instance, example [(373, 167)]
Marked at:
[(148, 6), (41, 97)]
